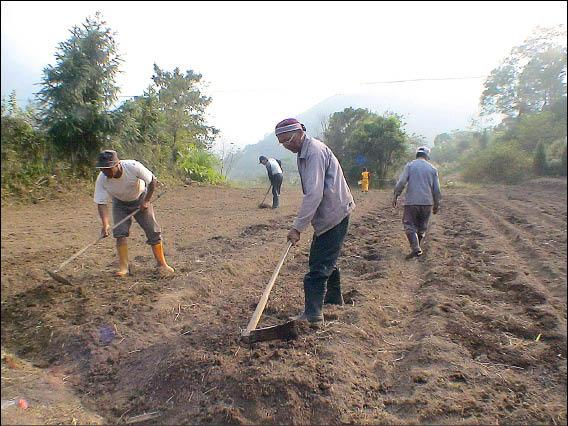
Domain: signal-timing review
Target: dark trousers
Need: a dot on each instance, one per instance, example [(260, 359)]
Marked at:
[(416, 219), (276, 181), (324, 252), (415, 222)]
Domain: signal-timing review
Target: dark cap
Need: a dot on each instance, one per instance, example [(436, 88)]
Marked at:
[(107, 159), (262, 157)]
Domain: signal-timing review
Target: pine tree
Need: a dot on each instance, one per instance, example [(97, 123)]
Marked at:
[(78, 91)]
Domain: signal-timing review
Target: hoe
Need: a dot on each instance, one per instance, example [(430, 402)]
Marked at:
[(55, 274), (263, 205), (286, 331)]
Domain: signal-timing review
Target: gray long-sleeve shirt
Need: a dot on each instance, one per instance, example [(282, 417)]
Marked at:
[(423, 184), (327, 198)]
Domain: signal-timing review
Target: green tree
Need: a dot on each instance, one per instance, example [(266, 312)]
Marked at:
[(483, 139), (184, 106), (539, 162), (563, 162), (532, 129), (13, 107), (442, 138), (141, 132), (137, 120), (339, 128), (454, 146), (360, 138), (380, 142), (78, 91), (531, 79)]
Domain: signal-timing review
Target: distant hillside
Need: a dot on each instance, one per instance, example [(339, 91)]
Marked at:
[(421, 115)]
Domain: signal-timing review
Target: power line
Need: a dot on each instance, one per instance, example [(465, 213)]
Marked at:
[(363, 84), (423, 79)]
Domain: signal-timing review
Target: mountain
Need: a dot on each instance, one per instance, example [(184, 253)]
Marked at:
[(427, 114)]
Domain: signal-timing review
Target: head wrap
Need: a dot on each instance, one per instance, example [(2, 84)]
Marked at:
[(288, 125)]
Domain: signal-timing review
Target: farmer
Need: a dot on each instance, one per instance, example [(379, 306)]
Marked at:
[(422, 198), (130, 185), (365, 180), (275, 175), (327, 204)]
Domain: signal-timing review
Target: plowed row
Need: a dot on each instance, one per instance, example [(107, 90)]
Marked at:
[(472, 332)]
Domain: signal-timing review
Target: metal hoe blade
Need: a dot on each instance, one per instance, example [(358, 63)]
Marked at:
[(58, 278), (286, 331)]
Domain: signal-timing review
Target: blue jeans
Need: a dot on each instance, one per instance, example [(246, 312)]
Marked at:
[(324, 252)]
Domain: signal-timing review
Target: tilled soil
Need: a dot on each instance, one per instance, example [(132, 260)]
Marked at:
[(474, 331)]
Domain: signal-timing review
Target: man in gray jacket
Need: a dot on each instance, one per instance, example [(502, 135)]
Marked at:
[(422, 198), (327, 204)]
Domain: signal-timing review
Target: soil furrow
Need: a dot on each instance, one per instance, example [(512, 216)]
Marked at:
[(468, 333)]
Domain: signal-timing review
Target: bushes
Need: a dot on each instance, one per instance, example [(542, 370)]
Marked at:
[(200, 165), (539, 161), (501, 163), (24, 152), (557, 154)]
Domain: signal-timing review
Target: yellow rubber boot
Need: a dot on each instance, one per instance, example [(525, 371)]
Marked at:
[(158, 250), (122, 259)]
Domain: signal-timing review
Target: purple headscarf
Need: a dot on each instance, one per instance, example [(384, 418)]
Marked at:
[(288, 125)]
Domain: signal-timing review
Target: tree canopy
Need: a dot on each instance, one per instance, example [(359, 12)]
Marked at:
[(360, 138), (78, 91), (531, 79), (183, 105)]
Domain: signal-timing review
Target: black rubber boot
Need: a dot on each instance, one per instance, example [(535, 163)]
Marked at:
[(313, 306), (275, 201), (421, 236), (314, 320), (414, 245), (313, 303), (333, 294)]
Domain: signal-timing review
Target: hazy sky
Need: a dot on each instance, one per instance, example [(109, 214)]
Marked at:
[(271, 60)]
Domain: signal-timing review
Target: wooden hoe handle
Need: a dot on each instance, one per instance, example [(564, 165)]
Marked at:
[(267, 191), (80, 252), (264, 299)]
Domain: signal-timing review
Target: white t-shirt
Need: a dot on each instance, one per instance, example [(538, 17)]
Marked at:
[(128, 187), (274, 166)]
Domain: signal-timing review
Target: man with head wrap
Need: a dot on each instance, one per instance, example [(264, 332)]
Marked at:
[(327, 204)]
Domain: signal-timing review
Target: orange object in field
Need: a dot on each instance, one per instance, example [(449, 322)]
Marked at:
[(365, 181), (22, 403)]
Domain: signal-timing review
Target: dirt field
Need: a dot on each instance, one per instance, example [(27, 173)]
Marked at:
[(472, 332)]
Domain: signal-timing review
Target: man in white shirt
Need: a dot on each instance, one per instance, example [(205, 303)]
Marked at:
[(130, 185), (275, 175)]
